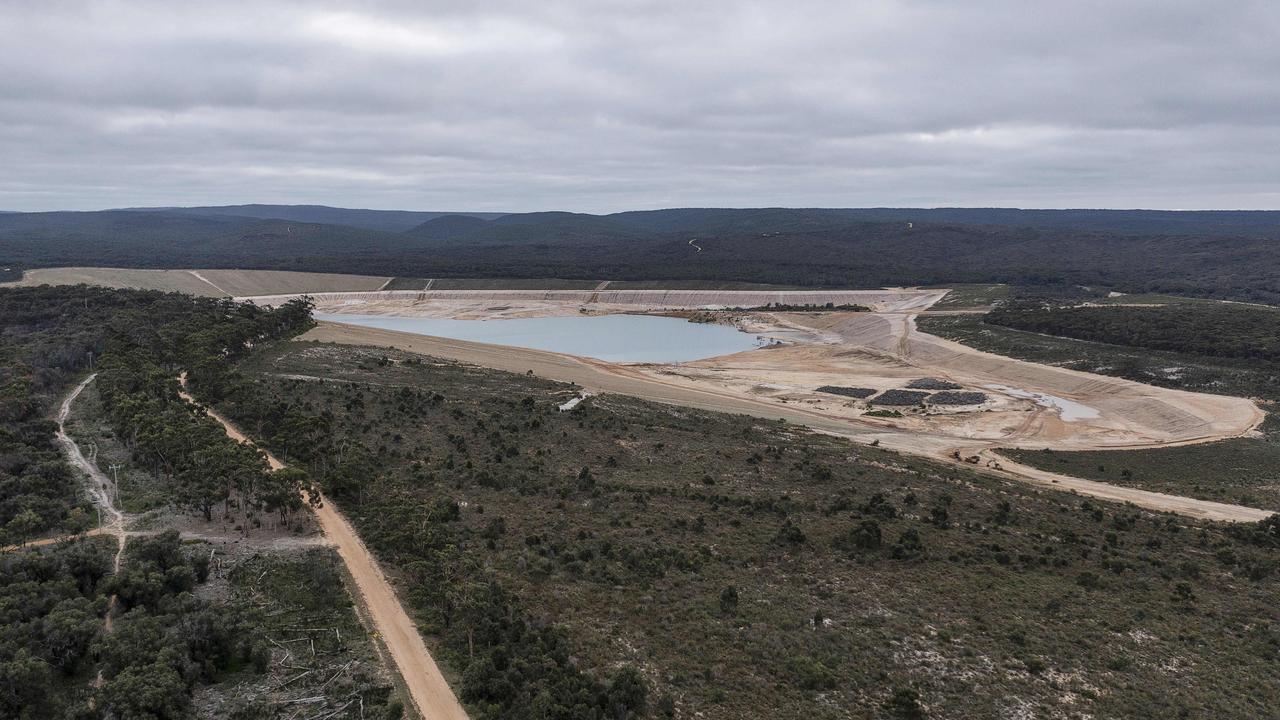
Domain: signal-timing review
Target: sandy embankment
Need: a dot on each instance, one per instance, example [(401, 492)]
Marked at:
[(203, 282), (499, 304), (1030, 405)]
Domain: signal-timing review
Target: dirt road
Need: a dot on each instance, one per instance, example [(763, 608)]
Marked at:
[(52, 540), (428, 690), (103, 491), (635, 381)]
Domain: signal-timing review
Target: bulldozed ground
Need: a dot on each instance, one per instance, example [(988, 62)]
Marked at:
[(1027, 405), (743, 564)]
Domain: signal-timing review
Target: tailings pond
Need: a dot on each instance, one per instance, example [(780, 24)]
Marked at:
[(615, 338)]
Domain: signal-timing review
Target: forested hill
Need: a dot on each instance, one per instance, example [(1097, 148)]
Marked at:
[(1213, 254), (384, 220)]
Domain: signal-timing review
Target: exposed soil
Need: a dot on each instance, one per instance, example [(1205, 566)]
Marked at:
[(1029, 405), (209, 283)]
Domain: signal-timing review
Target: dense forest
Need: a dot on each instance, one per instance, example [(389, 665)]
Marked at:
[(138, 341), (164, 640), (67, 618), (1224, 254), (1217, 330), (630, 558)]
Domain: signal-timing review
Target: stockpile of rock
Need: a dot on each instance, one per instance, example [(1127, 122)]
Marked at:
[(954, 397), (853, 392), (933, 384), (900, 397)]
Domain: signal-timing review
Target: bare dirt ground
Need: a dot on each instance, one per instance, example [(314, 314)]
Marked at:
[(1028, 405), (208, 283), (428, 690), (497, 304)]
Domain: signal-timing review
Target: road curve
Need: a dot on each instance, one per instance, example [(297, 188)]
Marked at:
[(606, 377), (428, 690)]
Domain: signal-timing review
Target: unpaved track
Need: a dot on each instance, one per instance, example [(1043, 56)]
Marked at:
[(53, 540), (1190, 507), (599, 376), (103, 491), (428, 690), (101, 488)]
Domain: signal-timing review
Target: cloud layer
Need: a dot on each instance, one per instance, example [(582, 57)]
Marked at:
[(610, 105)]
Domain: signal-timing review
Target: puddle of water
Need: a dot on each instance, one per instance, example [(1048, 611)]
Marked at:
[(1068, 410), (616, 338)]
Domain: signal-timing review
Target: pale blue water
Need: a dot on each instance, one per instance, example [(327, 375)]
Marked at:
[(616, 338)]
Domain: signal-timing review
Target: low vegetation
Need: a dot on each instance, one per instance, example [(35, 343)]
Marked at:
[(1244, 471), (629, 559), (1241, 377), (1172, 345), (319, 655)]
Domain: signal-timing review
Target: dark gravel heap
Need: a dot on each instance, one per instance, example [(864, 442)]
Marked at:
[(899, 397), (933, 384), (952, 397), (853, 392)]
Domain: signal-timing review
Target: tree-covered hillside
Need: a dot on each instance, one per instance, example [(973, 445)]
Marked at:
[(1227, 255)]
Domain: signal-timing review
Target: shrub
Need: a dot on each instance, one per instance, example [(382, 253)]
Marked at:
[(812, 674), (904, 704), (790, 535), (729, 600), (909, 546)]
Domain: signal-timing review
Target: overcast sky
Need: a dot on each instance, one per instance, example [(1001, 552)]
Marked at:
[(605, 105)]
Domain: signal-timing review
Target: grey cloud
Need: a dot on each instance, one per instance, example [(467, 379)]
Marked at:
[(610, 105)]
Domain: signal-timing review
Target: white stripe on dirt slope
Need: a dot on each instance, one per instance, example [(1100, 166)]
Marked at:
[(195, 274), (384, 285), (428, 690)]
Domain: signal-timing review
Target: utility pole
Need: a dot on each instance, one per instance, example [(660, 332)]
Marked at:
[(115, 472)]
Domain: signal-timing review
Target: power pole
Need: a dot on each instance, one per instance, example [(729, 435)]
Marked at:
[(115, 472)]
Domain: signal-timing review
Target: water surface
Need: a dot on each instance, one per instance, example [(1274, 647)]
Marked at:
[(616, 338), (1069, 410)]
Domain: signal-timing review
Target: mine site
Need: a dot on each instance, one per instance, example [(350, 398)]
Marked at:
[(870, 374), (639, 360)]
